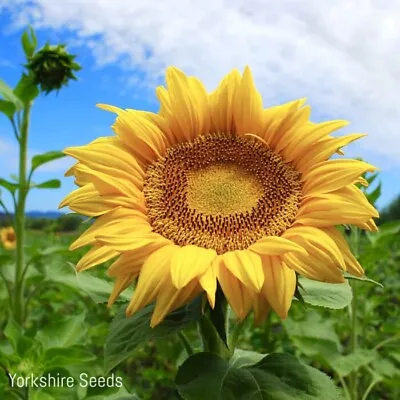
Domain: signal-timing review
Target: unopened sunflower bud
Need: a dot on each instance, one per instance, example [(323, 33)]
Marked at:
[(52, 67)]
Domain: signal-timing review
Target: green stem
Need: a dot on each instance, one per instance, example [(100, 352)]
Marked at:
[(20, 218), (185, 343), (345, 388), (369, 389), (387, 341)]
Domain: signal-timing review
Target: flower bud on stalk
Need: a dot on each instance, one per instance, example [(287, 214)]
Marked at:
[(52, 67)]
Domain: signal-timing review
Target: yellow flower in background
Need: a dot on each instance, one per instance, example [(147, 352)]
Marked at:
[(8, 238), (215, 188)]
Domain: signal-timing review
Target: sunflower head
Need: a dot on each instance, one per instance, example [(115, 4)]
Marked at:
[(216, 190), (8, 238), (52, 67)]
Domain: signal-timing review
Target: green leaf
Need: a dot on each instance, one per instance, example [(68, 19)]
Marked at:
[(13, 332), (11, 187), (109, 393), (313, 335), (363, 279), (9, 95), (7, 107), (384, 367), (126, 334), (26, 90), (275, 377), (48, 251), (51, 184), (63, 357), (375, 194), (244, 358), (63, 333), (29, 42), (97, 289), (345, 365), (41, 159), (387, 229), (330, 295)]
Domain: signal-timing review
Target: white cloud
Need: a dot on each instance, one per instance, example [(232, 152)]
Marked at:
[(343, 55)]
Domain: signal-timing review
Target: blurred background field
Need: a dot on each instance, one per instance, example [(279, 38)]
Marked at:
[(73, 306)]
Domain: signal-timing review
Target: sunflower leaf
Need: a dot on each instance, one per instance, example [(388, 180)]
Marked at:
[(345, 365), (50, 184), (329, 295), (10, 186), (275, 376), (41, 159), (126, 334), (362, 278)]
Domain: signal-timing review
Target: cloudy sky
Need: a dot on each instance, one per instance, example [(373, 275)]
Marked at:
[(343, 56)]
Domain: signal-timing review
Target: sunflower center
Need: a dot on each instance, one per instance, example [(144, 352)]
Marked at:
[(221, 191), (10, 236)]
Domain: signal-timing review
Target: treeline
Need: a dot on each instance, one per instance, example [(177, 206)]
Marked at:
[(391, 212), (64, 223)]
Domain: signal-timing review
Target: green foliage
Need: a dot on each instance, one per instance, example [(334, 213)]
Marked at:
[(127, 333), (391, 212), (44, 158), (274, 377), (26, 89), (50, 184), (29, 42), (335, 296)]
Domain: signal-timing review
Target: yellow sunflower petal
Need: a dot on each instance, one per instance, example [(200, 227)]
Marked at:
[(316, 241), (170, 298), (310, 134), (280, 284), (132, 261), (275, 245), (186, 109), (208, 282), (151, 277), (221, 103), (121, 283), (237, 295), (246, 266), (353, 266), (331, 175), (190, 262), (261, 308), (117, 220), (96, 255), (248, 106)]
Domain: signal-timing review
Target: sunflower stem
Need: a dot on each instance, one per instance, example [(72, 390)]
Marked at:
[(20, 218)]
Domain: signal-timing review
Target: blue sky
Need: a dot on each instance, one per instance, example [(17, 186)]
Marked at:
[(124, 55)]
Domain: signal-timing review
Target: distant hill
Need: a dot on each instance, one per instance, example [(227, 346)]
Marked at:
[(40, 214), (44, 214)]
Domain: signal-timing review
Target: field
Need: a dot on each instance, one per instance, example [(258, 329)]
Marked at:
[(68, 324)]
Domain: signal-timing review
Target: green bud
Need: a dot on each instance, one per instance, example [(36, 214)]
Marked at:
[(52, 67)]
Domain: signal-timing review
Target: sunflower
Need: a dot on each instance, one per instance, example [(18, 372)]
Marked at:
[(8, 238), (216, 190)]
